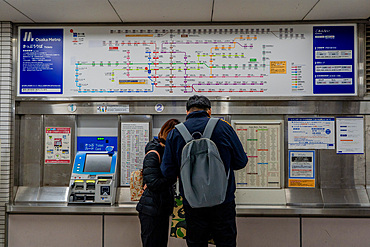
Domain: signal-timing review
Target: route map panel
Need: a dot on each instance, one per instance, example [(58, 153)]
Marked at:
[(230, 60)]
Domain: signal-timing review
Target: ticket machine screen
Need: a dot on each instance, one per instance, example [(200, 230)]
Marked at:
[(97, 163)]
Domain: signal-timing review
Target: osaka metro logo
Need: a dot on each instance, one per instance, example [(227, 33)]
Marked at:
[(27, 36)]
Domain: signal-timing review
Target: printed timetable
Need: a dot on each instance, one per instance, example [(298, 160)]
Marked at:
[(134, 137), (262, 143)]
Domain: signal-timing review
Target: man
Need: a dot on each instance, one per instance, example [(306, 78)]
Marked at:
[(217, 221)]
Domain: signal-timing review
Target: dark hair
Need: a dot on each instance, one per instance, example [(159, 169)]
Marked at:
[(199, 101), (166, 128)]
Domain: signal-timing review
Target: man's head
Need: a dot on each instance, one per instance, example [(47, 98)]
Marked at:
[(198, 103)]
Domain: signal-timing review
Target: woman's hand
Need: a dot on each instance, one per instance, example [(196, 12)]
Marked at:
[(144, 188)]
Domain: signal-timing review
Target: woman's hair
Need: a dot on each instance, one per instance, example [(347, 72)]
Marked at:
[(166, 128)]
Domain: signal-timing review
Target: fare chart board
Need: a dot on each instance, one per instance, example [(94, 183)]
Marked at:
[(230, 60), (134, 137), (262, 144)]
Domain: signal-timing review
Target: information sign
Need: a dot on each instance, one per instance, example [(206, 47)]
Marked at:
[(311, 133), (350, 135), (302, 169), (57, 145), (167, 61), (334, 60), (41, 61)]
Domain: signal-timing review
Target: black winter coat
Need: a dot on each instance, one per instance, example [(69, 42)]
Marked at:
[(157, 199)]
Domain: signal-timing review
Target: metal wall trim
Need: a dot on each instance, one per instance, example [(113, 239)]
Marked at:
[(225, 107), (241, 210)]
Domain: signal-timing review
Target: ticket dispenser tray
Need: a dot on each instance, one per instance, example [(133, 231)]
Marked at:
[(93, 178)]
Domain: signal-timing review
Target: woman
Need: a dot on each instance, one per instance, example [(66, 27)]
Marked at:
[(156, 203)]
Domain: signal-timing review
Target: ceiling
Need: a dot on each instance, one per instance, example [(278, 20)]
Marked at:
[(129, 11)]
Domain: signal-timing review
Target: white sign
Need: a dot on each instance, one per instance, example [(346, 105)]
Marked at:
[(311, 133), (301, 164), (350, 135), (113, 109), (168, 61), (134, 137)]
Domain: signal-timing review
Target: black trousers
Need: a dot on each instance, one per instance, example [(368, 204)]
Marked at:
[(216, 222), (154, 230)]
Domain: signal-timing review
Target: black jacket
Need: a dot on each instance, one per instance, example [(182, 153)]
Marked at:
[(157, 199), (231, 150)]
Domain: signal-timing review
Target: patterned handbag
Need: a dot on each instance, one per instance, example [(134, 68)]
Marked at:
[(178, 223), (136, 181), (136, 185)]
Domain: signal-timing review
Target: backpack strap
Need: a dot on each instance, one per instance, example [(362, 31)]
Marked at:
[(208, 133), (210, 127), (184, 132), (154, 151)]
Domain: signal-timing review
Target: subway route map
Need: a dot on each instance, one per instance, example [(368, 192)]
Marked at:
[(231, 60)]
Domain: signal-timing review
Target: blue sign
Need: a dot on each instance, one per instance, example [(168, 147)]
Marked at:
[(41, 61), (96, 143), (334, 60)]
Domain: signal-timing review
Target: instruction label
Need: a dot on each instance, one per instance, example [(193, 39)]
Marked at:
[(311, 133), (57, 145), (301, 169), (350, 135)]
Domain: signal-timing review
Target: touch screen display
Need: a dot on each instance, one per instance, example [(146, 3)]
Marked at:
[(97, 163)]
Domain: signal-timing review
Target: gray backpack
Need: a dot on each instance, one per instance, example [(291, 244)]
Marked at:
[(202, 171)]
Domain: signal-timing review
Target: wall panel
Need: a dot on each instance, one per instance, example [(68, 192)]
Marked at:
[(6, 119)]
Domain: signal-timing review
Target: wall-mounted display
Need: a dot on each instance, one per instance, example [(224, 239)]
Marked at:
[(166, 61)]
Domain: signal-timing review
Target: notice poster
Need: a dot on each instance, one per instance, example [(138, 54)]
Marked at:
[(134, 137), (350, 135), (302, 169), (261, 142), (311, 133), (57, 145)]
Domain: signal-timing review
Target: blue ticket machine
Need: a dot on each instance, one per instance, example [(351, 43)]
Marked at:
[(93, 179)]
